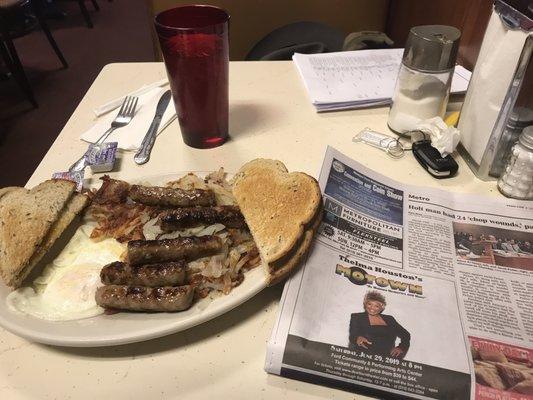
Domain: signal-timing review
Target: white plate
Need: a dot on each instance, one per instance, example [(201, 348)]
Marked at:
[(122, 328)]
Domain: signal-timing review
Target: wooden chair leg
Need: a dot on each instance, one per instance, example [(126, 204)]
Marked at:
[(85, 13), (95, 5), (12, 61), (36, 4)]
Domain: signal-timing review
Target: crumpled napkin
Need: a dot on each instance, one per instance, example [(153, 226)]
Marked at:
[(130, 137), (443, 137)]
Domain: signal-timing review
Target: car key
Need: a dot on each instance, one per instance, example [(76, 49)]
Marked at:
[(432, 161)]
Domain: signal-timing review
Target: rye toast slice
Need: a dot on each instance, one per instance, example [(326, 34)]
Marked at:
[(26, 216), (73, 208), (277, 205), (9, 189)]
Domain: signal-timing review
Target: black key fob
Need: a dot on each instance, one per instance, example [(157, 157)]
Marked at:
[(430, 158)]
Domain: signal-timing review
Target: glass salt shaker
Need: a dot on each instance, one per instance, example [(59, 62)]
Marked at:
[(425, 76), (517, 178)]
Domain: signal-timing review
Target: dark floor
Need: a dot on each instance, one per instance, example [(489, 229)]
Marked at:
[(121, 33)]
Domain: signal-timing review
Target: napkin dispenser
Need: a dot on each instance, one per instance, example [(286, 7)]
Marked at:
[(499, 100)]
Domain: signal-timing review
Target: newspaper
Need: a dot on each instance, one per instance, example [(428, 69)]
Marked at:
[(410, 292)]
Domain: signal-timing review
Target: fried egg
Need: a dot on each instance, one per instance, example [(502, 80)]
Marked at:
[(66, 288)]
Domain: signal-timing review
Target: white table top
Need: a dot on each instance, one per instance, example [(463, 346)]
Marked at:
[(270, 117)]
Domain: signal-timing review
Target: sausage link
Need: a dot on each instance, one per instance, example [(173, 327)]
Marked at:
[(141, 298), (183, 248), (164, 196), (230, 216), (152, 275)]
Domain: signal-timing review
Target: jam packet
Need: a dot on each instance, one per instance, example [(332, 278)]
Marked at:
[(101, 157), (76, 177)]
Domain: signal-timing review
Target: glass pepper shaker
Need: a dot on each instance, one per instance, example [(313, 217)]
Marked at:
[(425, 76), (517, 178), (520, 118)]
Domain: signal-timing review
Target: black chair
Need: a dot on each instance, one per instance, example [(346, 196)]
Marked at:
[(306, 37), (85, 12), (7, 48)]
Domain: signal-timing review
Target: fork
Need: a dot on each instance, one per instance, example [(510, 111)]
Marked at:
[(123, 118)]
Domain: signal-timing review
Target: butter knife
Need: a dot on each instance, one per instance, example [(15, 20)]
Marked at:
[(143, 155)]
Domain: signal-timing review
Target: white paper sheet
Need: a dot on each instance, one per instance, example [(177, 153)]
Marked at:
[(357, 79)]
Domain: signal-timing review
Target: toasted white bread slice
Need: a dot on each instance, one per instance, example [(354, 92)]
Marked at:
[(277, 205), (26, 217), (279, 270), (281, 209)]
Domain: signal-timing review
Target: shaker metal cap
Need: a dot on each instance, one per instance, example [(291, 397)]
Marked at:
[(520, 117), (526, 137), (431, 48)]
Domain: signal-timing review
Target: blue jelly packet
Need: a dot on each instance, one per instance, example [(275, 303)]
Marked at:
[(101, 157), (76, 177)]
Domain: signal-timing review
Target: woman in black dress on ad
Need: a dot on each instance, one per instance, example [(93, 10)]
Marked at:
[(376, 333)]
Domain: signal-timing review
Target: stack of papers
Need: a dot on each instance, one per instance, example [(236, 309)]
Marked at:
[(357, 79)]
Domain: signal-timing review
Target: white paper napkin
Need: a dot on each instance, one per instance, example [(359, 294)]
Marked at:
[(130, 137), (443, 137)]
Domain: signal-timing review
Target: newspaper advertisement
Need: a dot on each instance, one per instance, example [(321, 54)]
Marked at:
[(410, 292)]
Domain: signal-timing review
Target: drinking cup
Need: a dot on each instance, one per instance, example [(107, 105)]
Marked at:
[(194, 43)]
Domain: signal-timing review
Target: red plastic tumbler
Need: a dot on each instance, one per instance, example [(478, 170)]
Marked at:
[(194, 42)]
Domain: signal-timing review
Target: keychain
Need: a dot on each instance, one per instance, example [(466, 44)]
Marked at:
[(390, 145)]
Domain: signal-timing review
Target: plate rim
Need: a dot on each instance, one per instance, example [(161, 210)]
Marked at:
[(147, 334), (21, 330)]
